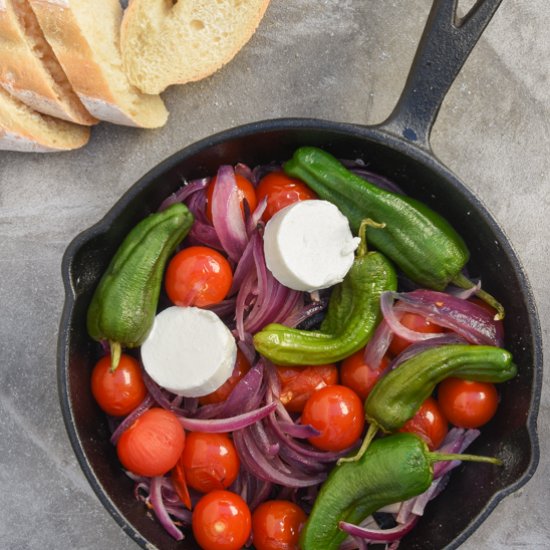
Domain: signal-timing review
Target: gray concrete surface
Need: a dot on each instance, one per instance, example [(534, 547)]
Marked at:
[(335, 59)]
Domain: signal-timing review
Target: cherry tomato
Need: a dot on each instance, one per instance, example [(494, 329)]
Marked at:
[(276, 525), (281, 190), (467, 404), (198, 276), (152, 445), (337, 412), (298, 383), (414, 322), (246, 192), (210, 461), (221, 521), (120, 391), (242, 366), (358, 376), (429, 423)]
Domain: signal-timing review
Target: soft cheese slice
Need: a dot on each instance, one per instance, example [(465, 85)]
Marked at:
[(189, 351), (309, 246)]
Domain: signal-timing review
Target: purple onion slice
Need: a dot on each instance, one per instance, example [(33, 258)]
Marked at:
[(227, 215)]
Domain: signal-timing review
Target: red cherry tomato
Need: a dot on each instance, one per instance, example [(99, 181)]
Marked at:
[(429, 423), (281, 190), (414, 322), (198, 276), (246, 192), (358, 376), (242, 366), (276, 525), (221, 521), (337, 412), (298, 383), (152, 445), (467, 404), (210, 461), (120, 391)]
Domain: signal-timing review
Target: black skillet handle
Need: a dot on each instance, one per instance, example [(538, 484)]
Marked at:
[(444, 47)]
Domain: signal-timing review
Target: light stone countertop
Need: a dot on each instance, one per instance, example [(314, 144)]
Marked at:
[(343, 60)]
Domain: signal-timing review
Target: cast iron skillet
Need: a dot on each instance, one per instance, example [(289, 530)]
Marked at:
[(399, 148)]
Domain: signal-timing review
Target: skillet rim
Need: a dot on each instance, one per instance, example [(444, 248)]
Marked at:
[(379, 135)]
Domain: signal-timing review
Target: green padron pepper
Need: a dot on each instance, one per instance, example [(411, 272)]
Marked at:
[(394, 469), (397, 396), (124, 304), (351, 322), (420, 241)]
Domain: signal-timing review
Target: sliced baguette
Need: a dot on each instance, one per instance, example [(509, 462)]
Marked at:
[(172, 42), (85, 36), (29, 69), (22, 129)]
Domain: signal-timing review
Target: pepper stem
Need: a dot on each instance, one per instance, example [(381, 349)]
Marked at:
[(367, 222), (444, 457), (463, 282), (116, 352), (371, 432)]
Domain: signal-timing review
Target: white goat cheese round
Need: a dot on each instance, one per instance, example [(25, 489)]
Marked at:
[(309, 245), (189, 351)]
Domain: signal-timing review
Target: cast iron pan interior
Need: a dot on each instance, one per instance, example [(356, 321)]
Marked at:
[(399, 149)]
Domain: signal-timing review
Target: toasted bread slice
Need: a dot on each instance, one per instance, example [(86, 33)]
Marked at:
[(172, 42), (85, 36), (29, 69), (22, 129)]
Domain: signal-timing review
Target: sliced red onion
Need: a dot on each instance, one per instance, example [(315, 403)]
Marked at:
[(225, 308), (269, 447), (305, 451), (299, 431), (379, 535), (247, 348), (227, 215), (244, 171), (182, 514), (245, 265), (464, 294), (203, 234), (256, 216), (474, 323), (245, 396), (359, 169), (274, 301), (224, 425), (302, 312), (261, 492), (183, 193), (197, 205), (260, 171), (269, 468), (246, 298), (378, 345), (456, 441), (146, 404), (156, 392), (299, 462), (423, 345), (160, 510)]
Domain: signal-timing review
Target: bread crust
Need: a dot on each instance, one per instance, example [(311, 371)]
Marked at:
[(24, 75), (132, 21), (84, 70), (25, 130)]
